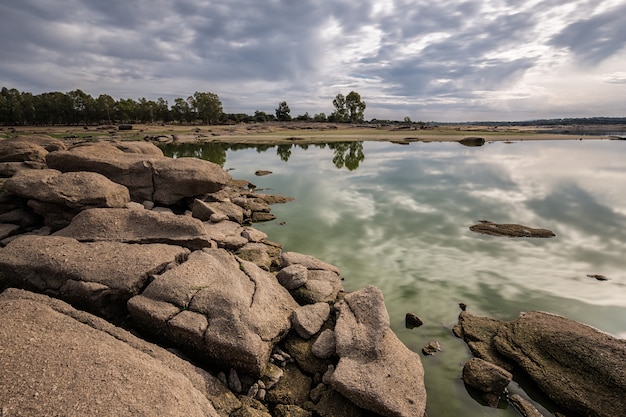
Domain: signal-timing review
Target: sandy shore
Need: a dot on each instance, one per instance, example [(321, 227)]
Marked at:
[(307, 133)]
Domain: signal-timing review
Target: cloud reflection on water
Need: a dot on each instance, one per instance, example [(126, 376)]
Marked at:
[(401, 222), (408, 209)]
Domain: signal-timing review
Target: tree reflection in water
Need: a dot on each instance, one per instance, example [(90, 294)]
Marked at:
[(347, 155)]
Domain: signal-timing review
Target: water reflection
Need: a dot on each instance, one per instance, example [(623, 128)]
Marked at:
[(401, 222), (345, 154)]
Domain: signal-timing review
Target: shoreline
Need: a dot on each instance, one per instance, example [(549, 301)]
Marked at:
[(272, 133)]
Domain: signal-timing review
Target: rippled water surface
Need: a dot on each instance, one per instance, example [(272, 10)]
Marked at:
[(398, 217)]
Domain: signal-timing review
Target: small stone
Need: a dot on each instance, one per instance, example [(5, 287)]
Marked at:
[(328, 374), (485, 376), (431, 348), (234, 383), (253, 391), (222, 378), (293, 276), (218, 217), (463, 306), (308, 320), (411, 321), (324, 346)]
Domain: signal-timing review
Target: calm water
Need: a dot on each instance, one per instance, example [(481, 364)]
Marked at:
[(398, 216)]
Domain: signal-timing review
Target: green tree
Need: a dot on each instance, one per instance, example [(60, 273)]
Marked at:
[(261, 116), (206, 107), (105, 105), (282, 112), (355, 107), (83, 106), (320, 117), (163, 110), (340, 114), (181, 111)]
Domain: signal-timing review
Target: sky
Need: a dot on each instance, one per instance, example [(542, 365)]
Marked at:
[(445, 60)]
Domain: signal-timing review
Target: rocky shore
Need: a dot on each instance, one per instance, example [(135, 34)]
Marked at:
[(144, 290), (135, 284)]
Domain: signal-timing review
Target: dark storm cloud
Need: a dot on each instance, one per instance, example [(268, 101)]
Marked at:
[(597, 38), (447, 53)]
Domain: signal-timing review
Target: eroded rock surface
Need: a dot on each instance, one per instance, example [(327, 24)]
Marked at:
[(375, 370), (58, 361), (578, 367), (99, 277), (221, 307), (148, 176), (58, 197), (137, 226)]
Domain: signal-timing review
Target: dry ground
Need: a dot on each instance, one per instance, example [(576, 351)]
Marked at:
[(300, 132)]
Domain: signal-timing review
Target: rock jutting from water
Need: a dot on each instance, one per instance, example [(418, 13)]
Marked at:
[(486, 227), (578, 367), (267, 332)]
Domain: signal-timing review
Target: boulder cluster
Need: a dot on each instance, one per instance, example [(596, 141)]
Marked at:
[(135, 284), (580, 369)]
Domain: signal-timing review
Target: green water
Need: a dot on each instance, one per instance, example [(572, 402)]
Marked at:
[(398, 217)]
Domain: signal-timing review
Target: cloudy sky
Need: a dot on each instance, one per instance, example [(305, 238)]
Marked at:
[(445, 60)]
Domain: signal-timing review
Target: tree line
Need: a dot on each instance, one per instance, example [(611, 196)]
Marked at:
[(79, 108)]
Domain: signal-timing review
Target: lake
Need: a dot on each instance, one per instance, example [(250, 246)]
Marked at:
[(398, 217)]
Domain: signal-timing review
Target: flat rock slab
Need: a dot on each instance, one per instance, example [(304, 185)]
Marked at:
[(60, 361), (137, 226), (219, 307), (510, 230), (99, 276)]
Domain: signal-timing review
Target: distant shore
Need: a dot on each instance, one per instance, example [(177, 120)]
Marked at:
[(311, 133)]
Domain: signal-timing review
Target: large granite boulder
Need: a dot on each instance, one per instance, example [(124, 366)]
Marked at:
[(148, 176), (137, 226), (58, 197), (99, 277), (580, 368), (219, 307), (375, 370), (74, 190), (60, 361), (25, 148)]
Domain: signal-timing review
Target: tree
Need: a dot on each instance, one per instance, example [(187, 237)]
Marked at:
[(282, 112), (340, 113), (261, 116), (105, 105), (348, 109), (206, 106), (355, 107), (181, 111), (320, 117)]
